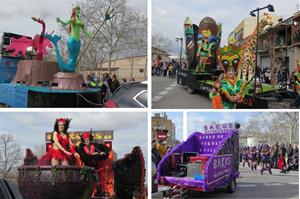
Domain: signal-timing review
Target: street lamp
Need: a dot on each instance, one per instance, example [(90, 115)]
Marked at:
[(252, 13), (181, 41)]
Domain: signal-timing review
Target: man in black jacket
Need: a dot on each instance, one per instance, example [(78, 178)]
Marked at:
[(115, 84)]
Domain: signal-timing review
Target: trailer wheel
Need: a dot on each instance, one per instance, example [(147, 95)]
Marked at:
[(231, 186), (191, 90)]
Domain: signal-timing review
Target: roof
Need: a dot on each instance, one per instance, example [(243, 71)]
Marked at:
[(99, 69), (160, 50), (280, 26)]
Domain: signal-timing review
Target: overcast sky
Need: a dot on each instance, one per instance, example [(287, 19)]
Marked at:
[(130, 129), (196, 120), (168, 15), (15, 14)]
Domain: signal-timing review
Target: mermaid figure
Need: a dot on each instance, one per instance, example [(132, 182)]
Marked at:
[(73, 43)]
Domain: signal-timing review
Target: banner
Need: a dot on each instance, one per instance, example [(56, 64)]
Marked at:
[(219, 128), (99, 136)]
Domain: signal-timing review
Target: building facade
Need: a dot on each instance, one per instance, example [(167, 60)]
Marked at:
[(125, 68), (279, 48), (159, 55), (163, 128), (247, 27)]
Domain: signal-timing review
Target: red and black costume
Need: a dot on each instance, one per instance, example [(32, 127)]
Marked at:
[(59, 154), (90, 154)]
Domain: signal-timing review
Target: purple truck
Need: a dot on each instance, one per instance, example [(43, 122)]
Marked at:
[(204, 161)]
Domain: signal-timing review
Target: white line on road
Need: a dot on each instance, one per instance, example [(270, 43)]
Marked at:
[(246, 185), (272, 184), (174, 84), (163, 93), (156, 98), (169, 88), (293, 183)]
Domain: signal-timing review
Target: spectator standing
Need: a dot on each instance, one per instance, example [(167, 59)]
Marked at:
[(161, 148), (165, 68), (115, 84), (106, 82), (155, 154)]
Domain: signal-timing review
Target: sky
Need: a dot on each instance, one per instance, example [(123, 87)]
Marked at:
[(15, 14), (177, 118), (196, 120), (28, 128), (168, 15)]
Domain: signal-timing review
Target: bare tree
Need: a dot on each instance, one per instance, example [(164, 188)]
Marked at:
[(10, 155), (252, 127), (136, 45), (39, 150), (292, 123), (162, 42), (274, 127), (115, 33)]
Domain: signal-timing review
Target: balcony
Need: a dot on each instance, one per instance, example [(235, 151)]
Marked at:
[(296, 41)]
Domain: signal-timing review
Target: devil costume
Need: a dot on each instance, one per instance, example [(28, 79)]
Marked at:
[(90, 154)]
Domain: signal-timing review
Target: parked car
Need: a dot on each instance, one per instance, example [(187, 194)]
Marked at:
[(9, 190), (129, 95)]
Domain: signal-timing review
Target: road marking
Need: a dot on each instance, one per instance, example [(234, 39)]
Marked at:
[(266, 184), (174, 84), (163, 93), (293, 183), (246, 185), (272, 184), (169, 88), (156, 98)]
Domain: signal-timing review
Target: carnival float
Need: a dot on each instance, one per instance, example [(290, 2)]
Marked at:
[(206, 161), (207, 71), (91, 172), (28, 80)]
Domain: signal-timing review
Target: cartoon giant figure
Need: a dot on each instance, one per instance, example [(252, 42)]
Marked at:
[(209, 36)]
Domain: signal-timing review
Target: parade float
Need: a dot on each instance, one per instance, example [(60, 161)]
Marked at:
[(112, 179), (202, 43), (28, 80), (205, 68), (204, 162)]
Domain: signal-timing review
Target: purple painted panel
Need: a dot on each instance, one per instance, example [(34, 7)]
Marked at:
[(219, 168), (204, 144), (208, 143), (186, 181)]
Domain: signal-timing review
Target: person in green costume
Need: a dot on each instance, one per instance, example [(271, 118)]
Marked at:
[(203, 53), (229, 89)]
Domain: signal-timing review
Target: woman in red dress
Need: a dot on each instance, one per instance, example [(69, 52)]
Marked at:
[(60, 151)]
